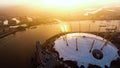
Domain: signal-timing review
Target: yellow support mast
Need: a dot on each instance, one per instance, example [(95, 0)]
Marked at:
[(76, 45), (92, 46)]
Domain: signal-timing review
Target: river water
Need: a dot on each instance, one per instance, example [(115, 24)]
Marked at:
[(16, 50)]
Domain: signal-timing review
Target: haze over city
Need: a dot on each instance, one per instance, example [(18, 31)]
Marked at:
[(59, 33)]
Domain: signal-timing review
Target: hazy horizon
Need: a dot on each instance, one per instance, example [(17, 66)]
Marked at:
[(44, 3), (57, 8)]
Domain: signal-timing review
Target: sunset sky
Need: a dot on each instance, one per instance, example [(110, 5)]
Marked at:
[(58, 2), (60, 5)]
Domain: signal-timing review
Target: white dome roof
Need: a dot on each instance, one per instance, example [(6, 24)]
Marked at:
[(83, 56)]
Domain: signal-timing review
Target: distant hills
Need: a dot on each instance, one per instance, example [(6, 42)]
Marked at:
[(95, 14), (104, 13)]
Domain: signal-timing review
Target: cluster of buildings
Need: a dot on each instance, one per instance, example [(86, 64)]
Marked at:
[(6, 24)]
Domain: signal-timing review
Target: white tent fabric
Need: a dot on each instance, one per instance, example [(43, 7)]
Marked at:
[(83, 56)]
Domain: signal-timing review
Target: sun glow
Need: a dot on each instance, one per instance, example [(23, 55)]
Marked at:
[(64, 28), (60, 3), (67, 3)]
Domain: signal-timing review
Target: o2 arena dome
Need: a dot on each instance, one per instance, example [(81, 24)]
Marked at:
[(84, 50)]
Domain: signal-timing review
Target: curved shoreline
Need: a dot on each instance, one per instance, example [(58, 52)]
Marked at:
[(11, 32)]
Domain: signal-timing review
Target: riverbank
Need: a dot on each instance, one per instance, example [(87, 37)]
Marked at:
[(11, 31)]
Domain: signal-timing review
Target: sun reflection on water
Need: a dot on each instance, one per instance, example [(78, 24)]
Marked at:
[(64, 28)]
